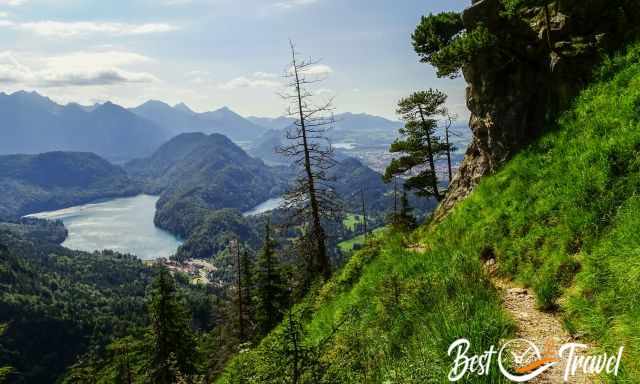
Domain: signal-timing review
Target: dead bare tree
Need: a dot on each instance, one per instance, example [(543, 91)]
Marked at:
[(450, 118), (312, 197)]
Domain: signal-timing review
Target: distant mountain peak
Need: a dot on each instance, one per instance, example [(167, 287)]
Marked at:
[(35, 99), (154, 103), (224, 111), (33, 95), (110, 107), (23, 92), (183, 108), (76, 107)]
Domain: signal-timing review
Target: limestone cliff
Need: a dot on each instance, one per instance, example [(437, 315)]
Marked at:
[(544, 57)]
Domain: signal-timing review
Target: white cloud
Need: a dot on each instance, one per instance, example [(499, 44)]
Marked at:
[(4, 15), (76, 69), (12, 3), (288, 4), (198, 77), (265, 75), (250, 82), (97, 59), (316, 70), (92, 77), (85, 28)]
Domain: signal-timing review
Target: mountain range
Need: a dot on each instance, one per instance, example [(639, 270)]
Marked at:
[(35, 124), (181, 119)]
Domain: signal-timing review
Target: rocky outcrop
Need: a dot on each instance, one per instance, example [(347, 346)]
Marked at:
[(543, 58)]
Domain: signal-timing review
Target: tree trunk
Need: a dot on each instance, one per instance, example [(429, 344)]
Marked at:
[(432, 164), (364, 215), (294, 339), (318, 234), (446, 138), (239, 287)]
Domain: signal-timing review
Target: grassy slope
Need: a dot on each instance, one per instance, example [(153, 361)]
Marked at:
[(347, 245), (561, 217)]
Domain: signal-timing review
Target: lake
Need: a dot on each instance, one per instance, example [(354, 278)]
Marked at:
[(346, 146), (124, 225), (266, 206)]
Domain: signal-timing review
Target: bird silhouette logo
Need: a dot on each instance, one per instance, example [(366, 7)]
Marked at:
[(520, 360)]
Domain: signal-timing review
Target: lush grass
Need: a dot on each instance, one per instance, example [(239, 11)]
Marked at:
[(351, 221), (387, 316), (566, 210), (561, 217), (348, 245)]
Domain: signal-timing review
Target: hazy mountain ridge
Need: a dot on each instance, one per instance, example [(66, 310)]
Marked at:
[(35, 124), (272, 122), (343, 121), (181, 119)]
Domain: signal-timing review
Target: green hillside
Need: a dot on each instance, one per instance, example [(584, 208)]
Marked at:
[(54, 180), (560, 217)]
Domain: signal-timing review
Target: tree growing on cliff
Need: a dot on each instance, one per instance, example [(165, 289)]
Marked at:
[(419, 146), (442, 41), (312, 197), (173, 339)]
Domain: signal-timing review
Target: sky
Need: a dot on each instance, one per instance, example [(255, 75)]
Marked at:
[(214, 53)]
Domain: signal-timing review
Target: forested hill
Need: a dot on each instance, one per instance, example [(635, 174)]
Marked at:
[(204, 172), (33, 183), (55, 302)]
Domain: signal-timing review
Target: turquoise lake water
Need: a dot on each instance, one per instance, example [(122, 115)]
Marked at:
[(124, 225)]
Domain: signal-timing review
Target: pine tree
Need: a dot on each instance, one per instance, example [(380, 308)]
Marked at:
[(295, 351), (403, 219), (173, 338), (312, 197), (247, 271), (5, 372), (364, 215), (125, 373), (419, 146), (271, 292)]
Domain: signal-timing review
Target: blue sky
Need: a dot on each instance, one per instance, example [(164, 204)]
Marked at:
[(213, 53)]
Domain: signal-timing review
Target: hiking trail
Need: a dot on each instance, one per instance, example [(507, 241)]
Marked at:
[(532, 324)]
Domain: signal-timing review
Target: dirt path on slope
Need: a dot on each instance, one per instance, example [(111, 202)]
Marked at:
[(532, 324), (538, 327)]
